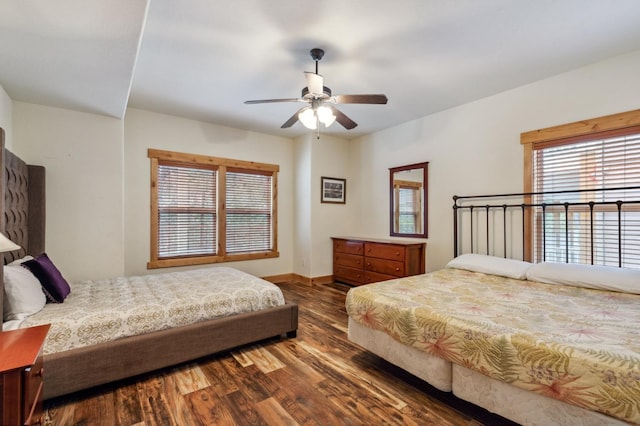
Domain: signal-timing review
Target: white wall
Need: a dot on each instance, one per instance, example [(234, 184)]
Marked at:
[(475, 148), (302, 207), (6, 120), (330, 158), (144, 129), (82, 154)]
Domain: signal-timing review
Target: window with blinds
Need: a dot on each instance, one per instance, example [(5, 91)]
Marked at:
[(409, 208), (408, 199), (186, 211), (209, 209), (578, 235), (248, 212)]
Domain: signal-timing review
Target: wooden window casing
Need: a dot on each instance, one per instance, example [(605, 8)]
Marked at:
[(242, 221), (597, 129)]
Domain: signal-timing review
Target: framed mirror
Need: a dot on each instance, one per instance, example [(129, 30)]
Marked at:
[(408, 194)]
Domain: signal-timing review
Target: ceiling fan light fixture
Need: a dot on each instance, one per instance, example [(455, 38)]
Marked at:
[(325, 115), (308, 118)]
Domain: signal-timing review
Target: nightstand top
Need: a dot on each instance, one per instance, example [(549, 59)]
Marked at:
[(19, 348)]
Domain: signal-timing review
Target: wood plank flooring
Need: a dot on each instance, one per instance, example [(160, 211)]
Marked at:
[(317, 378)]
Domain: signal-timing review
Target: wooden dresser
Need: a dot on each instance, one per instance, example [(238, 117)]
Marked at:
[(21, 375), (358, 261)]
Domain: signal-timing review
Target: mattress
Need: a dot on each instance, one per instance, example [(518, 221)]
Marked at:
[(104, 310), (577, 345)]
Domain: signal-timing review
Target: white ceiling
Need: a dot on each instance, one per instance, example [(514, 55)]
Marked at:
[(203, 58)]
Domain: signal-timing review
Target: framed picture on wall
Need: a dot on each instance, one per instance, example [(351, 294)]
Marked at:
[(333, 190)]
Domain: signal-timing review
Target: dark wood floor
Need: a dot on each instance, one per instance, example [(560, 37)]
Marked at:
[(317, 378)]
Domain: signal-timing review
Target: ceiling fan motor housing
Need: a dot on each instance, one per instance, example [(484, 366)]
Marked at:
[(326, 93)]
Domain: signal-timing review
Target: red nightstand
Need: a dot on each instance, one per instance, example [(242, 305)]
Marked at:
[(21, 378)]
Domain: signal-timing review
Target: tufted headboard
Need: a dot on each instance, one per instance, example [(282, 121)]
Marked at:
[(22, 207)]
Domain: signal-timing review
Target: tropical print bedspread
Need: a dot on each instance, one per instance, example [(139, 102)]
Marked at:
[(104, 310), (577, 345)]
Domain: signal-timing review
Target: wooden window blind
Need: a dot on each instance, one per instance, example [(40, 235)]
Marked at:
[(209, 209), (604, 159)]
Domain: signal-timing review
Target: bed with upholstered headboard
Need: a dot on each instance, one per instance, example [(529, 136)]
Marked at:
[(90, 364)]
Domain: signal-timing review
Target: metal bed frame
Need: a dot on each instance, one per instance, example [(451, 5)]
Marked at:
[(478, 206)]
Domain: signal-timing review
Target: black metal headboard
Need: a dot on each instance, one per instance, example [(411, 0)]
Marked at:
[(501, 224)]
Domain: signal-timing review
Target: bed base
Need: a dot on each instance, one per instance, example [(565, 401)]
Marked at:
[(522, 406), (498, 397), (433, 370), (83, 368)]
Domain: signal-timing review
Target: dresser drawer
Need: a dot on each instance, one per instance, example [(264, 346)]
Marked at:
[(351, 260), (346, 246), (374, 277), (348, 275), (384, 251), (383, 266)]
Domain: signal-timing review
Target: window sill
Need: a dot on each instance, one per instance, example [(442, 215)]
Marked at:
[(202, 260)]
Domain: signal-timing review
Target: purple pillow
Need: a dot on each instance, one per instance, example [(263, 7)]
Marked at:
[(53, 283)]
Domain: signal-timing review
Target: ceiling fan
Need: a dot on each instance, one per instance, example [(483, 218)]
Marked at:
[(321, 102)]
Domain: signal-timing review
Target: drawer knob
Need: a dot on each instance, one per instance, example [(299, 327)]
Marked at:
[(397, 253), (40, 372)]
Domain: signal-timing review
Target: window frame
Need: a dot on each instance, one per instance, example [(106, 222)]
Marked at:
[(565, 134), (221, 165)]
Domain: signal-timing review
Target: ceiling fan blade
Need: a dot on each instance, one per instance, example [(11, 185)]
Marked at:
[(291, 121), (314, 83), (341, 118), (268, 101), (360, 99)]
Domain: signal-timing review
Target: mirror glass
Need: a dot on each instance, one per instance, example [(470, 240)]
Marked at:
[(408, 190)]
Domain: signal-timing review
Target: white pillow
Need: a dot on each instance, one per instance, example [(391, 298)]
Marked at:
[(510, 268), (22, 260), (23, 295), (626, 280)]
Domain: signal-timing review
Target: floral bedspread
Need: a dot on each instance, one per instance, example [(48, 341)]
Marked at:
[(577, 345), (103, 310)]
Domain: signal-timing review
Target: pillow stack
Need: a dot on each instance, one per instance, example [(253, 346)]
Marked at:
[(608, 278), (28, 284)]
